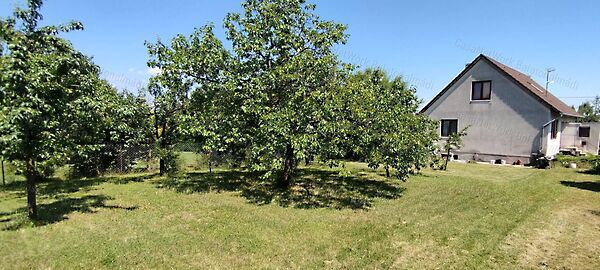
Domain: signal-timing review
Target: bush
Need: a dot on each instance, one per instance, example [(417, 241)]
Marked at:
[(436, 162), (596, 168), (171, 160), (591, 162)]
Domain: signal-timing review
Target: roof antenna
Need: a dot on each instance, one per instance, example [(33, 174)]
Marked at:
[(548, 78)]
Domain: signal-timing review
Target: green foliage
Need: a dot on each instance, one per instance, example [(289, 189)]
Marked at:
[(591, 162), (380, 122), (281, 96), (190, 64), (44, 83), (47, 89), (262, 101), (590, 111), (119, 124), (169, 158), (55, 109), (454, 142), (284, 71)]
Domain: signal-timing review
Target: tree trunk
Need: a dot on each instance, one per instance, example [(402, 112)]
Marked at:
[(31, 175), (162, 166), (387, 171), (447, 158), (121, 170), (288, 167)]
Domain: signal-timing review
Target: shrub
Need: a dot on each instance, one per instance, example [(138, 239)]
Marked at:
[(596, 167), (171, 160), (591, 162)]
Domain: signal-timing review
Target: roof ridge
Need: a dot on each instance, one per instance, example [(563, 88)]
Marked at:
[(534, 87), (525, 81)]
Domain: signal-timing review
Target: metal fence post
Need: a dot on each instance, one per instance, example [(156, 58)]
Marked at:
[(3, 181)]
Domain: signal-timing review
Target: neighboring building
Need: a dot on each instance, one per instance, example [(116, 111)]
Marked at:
[(510, 116), (581, 137)]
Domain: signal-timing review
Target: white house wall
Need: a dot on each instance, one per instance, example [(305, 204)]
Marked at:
[(510, 124), (570, 137)]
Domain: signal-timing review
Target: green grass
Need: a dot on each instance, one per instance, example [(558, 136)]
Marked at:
[(10, 174), (471, 216)]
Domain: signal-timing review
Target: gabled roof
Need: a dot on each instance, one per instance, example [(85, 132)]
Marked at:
[(524, 81)]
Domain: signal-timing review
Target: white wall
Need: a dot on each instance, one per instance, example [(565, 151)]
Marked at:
[(510, 124), (570, 137), (551, 146)]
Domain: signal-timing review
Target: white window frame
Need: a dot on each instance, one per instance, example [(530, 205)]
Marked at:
[(448, 119), (480, 100)]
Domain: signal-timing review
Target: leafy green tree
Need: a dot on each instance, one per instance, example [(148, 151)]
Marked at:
[(43, 81), (454, 142), (280, 95), (284, 70), (117, 123), (383, 126), (189, 64), (590, 111), (261, 101)]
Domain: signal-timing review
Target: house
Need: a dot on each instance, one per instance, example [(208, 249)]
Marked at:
[(581, 137), (510, 116)]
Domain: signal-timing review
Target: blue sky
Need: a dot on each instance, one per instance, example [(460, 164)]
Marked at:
[(427, 42)]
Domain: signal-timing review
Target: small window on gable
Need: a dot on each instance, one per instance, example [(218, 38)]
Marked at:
[(481, 90), (584, 132), (448, 127)]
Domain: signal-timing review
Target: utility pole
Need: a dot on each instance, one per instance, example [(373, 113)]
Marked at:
[(548, 78)]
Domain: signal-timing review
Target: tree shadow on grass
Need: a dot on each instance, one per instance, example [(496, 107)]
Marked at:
[(312, 188), (64, 202), (53, 187), (58, 188), (121, 180), (591, 171), (587, 185), (58, 211)]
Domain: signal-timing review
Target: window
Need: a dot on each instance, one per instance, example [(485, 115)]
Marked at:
[(554, 129), (481, 90), (584, 132), (449, 127)]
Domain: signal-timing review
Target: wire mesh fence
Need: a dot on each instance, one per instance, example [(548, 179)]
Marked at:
[(145, 158), (119, 159)]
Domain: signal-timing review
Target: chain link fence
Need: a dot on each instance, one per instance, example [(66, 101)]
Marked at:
[(120, 159), (145, 158)]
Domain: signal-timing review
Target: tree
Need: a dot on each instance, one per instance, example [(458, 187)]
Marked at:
[(284, 70), (116, 124), (382, 124), (590, 111), (454, 141), (43, 81), (190, 64), (280, 95)]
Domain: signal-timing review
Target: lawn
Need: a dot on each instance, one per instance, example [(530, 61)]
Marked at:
[(471, 216)]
